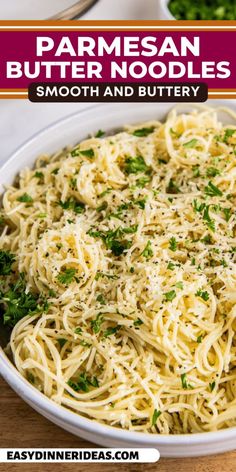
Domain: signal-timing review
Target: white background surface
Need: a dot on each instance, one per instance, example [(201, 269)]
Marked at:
[(20, 119)]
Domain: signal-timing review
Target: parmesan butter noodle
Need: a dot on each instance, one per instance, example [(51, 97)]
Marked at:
[(118, 275)]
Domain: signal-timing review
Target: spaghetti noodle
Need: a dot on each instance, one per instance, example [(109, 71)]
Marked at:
[(128, 244)]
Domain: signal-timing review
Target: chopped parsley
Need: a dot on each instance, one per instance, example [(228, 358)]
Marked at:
[(196, 171), (173, 244), (172, 187), (84, 383), (100, 134), (228, 134), (73, 183), (212, 172), (105, 192), (25, 198), (119, 212), (207, 239), (101, 299), (190, 144), (179, 285), (227, 213), (97, 323), (143, 132), (109, 331), (66, 276), (202, 10), (212, 386), (134, 165), (138, 322), (112, 238), (212, 190), (6, 261), (202, 294), (85, 343), (101, 275), (143, 181), (130, 230), (39, 176), (155, 416), (141, 203), (184, 381), (102, 207), (72, 204), (86, 152), (78, 330), (62, 341), (199, 339), (209, 221), (169, 296), (170, 266), (147, 252), (198, 206)]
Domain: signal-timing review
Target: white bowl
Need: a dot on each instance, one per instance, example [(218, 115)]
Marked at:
[(70, 131), (163, 12)]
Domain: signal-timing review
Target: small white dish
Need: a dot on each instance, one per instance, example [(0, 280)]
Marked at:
[(163, 12), (69, 131)]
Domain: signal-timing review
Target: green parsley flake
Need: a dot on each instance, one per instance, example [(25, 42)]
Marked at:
[(100, 134), (155, 416), (202, 294), (109, 331), (138, 322), (228, 134), (62, 341), (173, 244), (66, 276), (84, 383), (169, 296), (212, 386), (184, 381), (172, 187), (170, 266), (39, 176), (101, 299), (190, 144), (147, 252), (25, 198), (143, 132), (179, 285), (86, 152), (134, 165), (72, 204), (212, 172), (143, 181), (97, 323), (78, 330), (212, 190)]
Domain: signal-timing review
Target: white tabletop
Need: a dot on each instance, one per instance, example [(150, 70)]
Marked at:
[(20, 119)]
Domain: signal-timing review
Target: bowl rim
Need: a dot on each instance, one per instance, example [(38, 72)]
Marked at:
[(34, 397)]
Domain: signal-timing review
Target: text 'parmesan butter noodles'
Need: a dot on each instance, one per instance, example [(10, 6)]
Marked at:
[(131, 241)]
